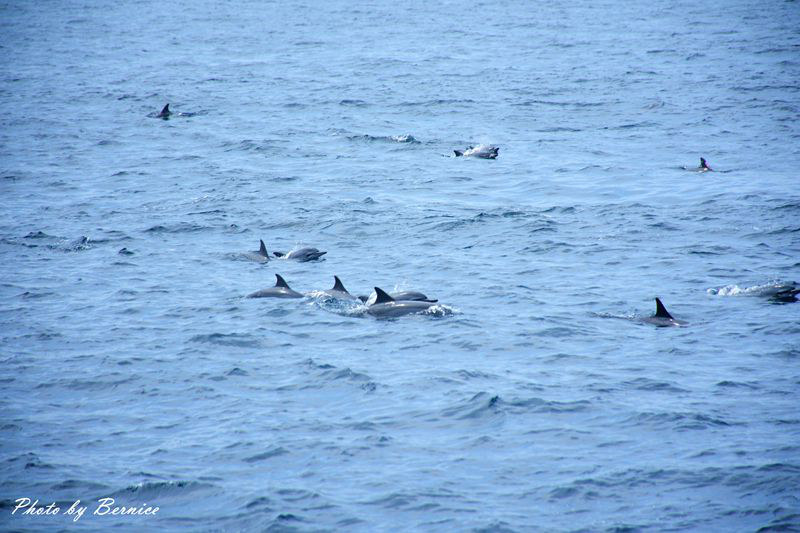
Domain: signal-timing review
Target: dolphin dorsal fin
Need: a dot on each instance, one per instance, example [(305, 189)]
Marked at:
[(661, 311), (280, 282), (263, 250), (382, 297), (165, 110), (338, 286)]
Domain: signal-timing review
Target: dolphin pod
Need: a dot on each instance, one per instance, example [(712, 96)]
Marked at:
[(384, 306)]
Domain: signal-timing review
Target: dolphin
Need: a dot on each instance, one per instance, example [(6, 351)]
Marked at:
[(704, 166), (261, 255), (662, 318), (782, 293), (387, 307), (165, 113), (338, 291), (302, 255), (484, 151), (414, 296), (280, 290)]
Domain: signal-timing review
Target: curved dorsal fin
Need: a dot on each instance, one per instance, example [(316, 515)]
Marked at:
[(165, 110), (281, 282), (661, 311), (382, 297), (263, 250), (338, 286)]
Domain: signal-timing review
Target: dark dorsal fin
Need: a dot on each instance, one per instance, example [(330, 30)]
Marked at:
[(263, 250), (459, 153), (338, 286), (281, 282), (704, 164), (661, 311), (382, 297), (165, 111)]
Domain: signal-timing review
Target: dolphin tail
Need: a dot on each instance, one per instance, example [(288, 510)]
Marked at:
[(363, 299), (661, 311), (338, 285), (280, 282), (459, 153), (382, 297), (263, 250)]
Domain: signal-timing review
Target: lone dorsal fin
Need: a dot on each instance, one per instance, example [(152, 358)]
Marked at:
[(661, 311), (165, 110), (338, 286), (382, 297), (263, 250), (459, 153), (281, 282)]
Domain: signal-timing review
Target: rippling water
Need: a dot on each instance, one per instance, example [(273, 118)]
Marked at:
[(534, 397)]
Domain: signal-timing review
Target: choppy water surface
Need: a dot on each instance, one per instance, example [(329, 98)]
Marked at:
[(533, 398)]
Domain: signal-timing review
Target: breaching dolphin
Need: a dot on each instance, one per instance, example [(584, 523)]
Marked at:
[(484, 151), (302, 255), (662, 318), (280, 290), (387, 307), (338, 291)]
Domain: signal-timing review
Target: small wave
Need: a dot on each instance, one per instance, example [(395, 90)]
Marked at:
[(38, 235), (405, 138), (441, 311), (180, 227), (228, 339), (353, 103), (479, 406), (766, 289), (154, 491), (273, 452)]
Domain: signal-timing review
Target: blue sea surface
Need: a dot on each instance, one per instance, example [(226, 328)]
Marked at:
[(533, 397)]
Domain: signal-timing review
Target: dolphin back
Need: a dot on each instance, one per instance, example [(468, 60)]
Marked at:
[(661, 311)]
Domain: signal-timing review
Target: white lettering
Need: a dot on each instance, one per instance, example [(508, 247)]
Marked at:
[(77, 510)]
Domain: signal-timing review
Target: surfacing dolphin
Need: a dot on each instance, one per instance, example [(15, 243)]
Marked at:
[(484, 151), (165, 113), (387, 307), (280, 290), (662, 318), (783, 293), (261, 255), (302, 255), (338, 291), (702, 168), (414, 296)]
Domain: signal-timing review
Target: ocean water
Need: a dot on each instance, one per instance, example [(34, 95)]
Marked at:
[(533, 397)]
